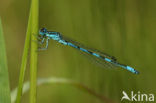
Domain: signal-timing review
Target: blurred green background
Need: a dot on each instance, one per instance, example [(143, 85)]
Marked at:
[(122, 28)]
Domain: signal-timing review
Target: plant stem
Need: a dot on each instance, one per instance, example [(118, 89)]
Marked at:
[(33, 55), (24, 61), (4, 77)]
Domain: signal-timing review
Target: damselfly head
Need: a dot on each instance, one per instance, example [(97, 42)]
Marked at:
[(43, 31)]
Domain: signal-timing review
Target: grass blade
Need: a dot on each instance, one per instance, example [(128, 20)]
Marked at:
[(33, 55), (32, 29), (4, 78), (24, 62)]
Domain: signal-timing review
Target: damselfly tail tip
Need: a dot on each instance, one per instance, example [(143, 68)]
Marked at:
[(137, 72), (132, 70)]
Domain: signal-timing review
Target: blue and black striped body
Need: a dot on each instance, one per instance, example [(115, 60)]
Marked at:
[(58, 37)]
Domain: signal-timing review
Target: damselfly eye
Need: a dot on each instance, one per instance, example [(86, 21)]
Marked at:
[(44, 30)]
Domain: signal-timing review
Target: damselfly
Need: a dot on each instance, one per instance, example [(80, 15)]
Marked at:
[(46, 35)]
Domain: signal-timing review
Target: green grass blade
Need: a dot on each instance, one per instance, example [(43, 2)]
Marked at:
[(32, 29), (4, 78), (24, 61), (33, 55)]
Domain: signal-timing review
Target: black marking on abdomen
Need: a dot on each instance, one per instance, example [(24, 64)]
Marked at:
[(78, 47), (90, 52), (72, 45), (113, 59), (102, 57)]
